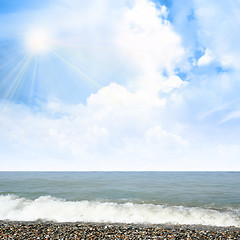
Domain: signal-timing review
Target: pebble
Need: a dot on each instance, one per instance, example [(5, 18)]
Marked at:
[(51, 230)]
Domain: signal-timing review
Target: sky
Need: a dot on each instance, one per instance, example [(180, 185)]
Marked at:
[(129, 85)]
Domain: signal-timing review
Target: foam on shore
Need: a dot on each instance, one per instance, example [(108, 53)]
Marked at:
[(47, 208)]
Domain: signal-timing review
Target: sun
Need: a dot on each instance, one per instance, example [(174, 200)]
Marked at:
[(38, 41)]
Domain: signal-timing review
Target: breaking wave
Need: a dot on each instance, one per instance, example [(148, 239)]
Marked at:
[(48, 208)]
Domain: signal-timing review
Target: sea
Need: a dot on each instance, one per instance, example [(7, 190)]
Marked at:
[(205, 198)]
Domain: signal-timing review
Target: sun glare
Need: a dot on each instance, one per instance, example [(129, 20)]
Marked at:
[(38, 42)]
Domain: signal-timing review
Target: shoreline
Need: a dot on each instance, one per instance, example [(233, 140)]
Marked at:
[(91, 230)]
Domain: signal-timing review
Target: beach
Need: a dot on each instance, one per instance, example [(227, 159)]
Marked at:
[(119, 205), (80, 230)]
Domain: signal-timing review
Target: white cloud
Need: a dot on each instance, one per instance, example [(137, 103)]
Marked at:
[(218, 23), (206, 58), (147, 39), (158, 134), (231, 116), (115, 128)]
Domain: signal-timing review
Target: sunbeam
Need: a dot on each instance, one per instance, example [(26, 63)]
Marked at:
[(76, 68), (33, 81), (41, 69), (17, 81)]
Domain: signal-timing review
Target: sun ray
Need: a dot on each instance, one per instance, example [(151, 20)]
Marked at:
[(17, 81), (68, 47), (76, 68), (9, 62), (33, 79), (6, 79)]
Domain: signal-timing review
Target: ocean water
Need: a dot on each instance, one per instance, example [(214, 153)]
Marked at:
[(207, 198)]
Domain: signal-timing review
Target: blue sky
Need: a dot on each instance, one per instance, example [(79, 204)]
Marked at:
[(130, 85)]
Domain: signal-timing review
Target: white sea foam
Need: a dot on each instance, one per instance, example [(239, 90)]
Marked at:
[(48, 208)]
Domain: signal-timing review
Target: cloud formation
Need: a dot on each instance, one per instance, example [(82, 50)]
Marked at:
[(160, 101)]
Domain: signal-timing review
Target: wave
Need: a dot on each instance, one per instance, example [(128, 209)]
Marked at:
[(48, 208)]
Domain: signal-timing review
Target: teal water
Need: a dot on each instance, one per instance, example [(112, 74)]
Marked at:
[(188, 195)]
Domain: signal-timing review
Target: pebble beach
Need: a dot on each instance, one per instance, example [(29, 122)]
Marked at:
[(51, 230)]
